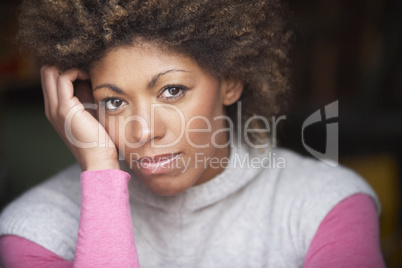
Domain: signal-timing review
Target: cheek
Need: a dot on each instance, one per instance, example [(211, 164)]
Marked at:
[(202, 122), (206, 102)]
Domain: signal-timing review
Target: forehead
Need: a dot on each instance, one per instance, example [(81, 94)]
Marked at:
[(140, 58)]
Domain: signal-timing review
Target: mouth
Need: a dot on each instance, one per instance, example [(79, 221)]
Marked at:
[(157, 164)]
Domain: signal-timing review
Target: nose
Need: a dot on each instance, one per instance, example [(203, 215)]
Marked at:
[(145, 124)]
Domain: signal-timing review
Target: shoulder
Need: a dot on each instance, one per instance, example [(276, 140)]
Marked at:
[(310, 179), (51, 209), (296, 176), (303, 191)]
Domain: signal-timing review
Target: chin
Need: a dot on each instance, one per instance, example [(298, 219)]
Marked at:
[(167, 186)]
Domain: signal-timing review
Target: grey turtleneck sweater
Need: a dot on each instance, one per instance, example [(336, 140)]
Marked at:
[(250, 215)]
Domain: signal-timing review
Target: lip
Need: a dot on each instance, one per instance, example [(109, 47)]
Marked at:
[(157, 164)]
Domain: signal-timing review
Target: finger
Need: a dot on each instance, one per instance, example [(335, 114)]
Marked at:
[(45, 96), (49, 88), (65, 85)]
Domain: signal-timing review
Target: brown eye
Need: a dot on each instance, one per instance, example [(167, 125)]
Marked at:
[(113, 104), (174, 91), (116, 103)]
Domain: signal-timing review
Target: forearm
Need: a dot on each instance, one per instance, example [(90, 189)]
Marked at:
[(105, 236)]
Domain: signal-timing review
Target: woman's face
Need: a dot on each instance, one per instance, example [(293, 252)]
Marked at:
[(164, 114)]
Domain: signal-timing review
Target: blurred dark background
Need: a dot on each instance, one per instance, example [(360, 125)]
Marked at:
[(345, 51), (351, 51)]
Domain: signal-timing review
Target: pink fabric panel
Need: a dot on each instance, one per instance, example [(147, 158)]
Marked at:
[(348, 237)]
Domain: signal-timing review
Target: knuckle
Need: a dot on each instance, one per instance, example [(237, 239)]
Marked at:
[(62, 81), (46, 70), (49, 71), (43, 68)]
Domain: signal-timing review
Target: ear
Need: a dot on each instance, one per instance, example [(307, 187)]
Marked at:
[(231, 90)]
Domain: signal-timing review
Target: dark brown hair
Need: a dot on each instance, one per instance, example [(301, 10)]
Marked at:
[(246, 39)]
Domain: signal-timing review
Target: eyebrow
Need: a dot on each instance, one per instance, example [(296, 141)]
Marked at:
[(156, 77), (150, 84), (111, 87)]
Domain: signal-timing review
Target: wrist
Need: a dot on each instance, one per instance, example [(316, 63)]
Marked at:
[(100, 160), (101, 166)]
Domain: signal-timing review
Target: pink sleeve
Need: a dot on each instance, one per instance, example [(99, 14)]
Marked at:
[(348, 237), (105, 235), (17, 252)]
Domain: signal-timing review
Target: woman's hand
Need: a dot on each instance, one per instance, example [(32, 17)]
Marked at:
[(84, 135)]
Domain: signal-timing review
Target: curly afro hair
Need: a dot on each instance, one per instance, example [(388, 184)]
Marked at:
[(246, 39)]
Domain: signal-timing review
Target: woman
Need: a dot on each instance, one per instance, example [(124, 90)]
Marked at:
[(175, 95)]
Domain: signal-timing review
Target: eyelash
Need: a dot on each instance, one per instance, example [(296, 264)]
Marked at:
[(182, 89)]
